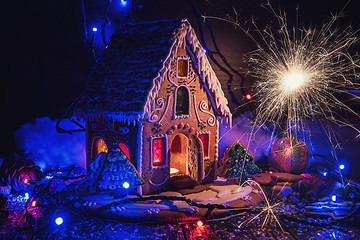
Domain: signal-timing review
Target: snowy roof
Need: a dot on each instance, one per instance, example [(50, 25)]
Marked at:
[(125, 81)]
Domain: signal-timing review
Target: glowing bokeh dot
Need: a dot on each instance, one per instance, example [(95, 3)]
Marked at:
[(59, 221), (200, 223), (126, 185)]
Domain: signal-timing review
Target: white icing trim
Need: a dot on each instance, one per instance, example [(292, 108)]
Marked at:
[(192, 80), (159, 102), (175, 99), (167, 107), (196, 112), (204, 106), (139, 154), (159, 184), (169, 79), (166, 152)]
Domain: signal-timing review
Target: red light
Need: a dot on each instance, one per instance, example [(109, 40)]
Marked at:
[(248, 96), (33, 203), (159, 151), (26, 180), (200, 223)]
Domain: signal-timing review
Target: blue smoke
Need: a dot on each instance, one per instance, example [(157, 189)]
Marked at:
[(41, 143)]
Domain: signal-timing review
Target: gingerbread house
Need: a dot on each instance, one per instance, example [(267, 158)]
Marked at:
[(155, 94)]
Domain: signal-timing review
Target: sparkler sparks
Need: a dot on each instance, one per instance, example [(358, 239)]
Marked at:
[(300, 75), (268, 209)]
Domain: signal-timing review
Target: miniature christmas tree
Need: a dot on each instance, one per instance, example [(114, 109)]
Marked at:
[(118, 172), (237, 162)]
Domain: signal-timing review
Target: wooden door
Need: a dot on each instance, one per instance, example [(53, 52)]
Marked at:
[(195, 161)]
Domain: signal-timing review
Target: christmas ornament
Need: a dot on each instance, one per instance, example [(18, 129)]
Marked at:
[(290, 155)]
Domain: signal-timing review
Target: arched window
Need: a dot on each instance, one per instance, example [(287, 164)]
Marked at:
[(182, 101), (125, 149), (204, 137), (98, 146)]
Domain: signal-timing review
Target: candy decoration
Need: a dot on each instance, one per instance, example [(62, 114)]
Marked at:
[(290, 155)]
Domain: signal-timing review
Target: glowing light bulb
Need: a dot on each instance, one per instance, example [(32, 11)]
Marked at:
[(325, 174), (200, 223), (126, 185), (94, 29), (248, 96), (123, 2), (33, 203), (342, 166), (26, 180), (59, 221), (333, 198), (293, 80)]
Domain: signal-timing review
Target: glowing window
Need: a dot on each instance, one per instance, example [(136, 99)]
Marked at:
[(159, 151), (204, 137), (183, 68), (99, 146), (125, 149), (182, 101)]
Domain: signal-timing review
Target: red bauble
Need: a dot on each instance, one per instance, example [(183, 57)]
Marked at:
[(290, 155)]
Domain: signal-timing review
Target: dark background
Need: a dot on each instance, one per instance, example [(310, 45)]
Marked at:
[(48, 55)]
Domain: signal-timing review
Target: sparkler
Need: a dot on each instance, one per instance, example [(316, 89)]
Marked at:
[(300, 74)]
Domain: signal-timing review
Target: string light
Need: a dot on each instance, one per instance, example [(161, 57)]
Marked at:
[(126, 185), (333, 198), (59, 221), (248, 96), (123, 2), (342, 166), (200, 223), (94, 29), (33, 203)]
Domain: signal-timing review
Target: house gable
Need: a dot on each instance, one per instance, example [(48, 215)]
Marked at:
[(185, 38)]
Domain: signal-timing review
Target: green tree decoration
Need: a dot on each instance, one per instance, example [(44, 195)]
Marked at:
[(237, 163), (118, 172)]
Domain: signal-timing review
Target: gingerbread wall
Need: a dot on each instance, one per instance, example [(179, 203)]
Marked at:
[(164, 122), (111, 131)]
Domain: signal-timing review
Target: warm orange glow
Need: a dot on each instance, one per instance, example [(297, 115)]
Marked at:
[(99, 146), (200, 223), (26, 180), (33, 203), (248, 96)]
